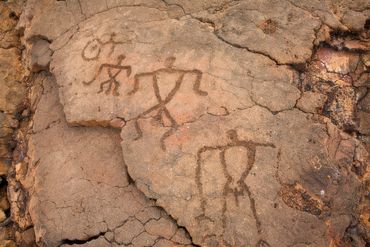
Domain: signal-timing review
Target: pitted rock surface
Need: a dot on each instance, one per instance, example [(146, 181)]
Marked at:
[(92, 199), (218, 128)]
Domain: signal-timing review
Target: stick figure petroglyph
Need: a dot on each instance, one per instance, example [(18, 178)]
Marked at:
[(93, 48), (162, 102), (92, 51), (236, 187), (113, 71)]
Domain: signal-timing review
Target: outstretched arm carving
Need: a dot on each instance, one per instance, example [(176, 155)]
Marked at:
[(137, 81)]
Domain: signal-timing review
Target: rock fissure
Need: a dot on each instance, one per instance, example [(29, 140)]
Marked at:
[(76, 242)]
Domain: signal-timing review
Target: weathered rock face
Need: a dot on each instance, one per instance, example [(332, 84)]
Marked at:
[(258, 24), (9, 15), (340, 77), (12, 91), (216, 124), (12, 106), (138, 65), (73, 200), (228, 174)]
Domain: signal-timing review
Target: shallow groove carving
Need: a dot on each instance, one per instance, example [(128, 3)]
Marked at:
[(161, 106), (242, 189), (94, 47)]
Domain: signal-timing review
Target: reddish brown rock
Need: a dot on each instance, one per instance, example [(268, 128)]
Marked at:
[(311, 102), (93, 196), (217, 124), (9, 16), (11, 90)]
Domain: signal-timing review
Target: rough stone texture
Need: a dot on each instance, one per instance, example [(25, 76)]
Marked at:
[(9, 15), (342, 15), (140, 55), (216, 175), (311, 102), (364, 112), (258, 24), (92, 196), (229, 119), (40, 55), (12, 94), (342, 77)]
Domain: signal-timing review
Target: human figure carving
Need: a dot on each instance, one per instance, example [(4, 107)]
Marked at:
[(162, 102), (113, 71), (234, 187), (92, 51)]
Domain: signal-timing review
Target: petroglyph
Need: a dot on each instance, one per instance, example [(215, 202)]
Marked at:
[(161, 108), (113, 71), (235, 184), (92, 51), (232, 72)]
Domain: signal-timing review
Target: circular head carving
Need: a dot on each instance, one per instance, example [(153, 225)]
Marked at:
[(169, 62), (92, 50)]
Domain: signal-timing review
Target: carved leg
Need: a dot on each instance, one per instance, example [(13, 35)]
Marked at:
[(96, 75), (103, 84), (138, 130), (115, 87), (169, 132), (165, 136)]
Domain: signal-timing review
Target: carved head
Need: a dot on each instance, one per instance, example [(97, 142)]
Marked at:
[(168, 63), (232, 135), (121, 57), (92, 50)]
